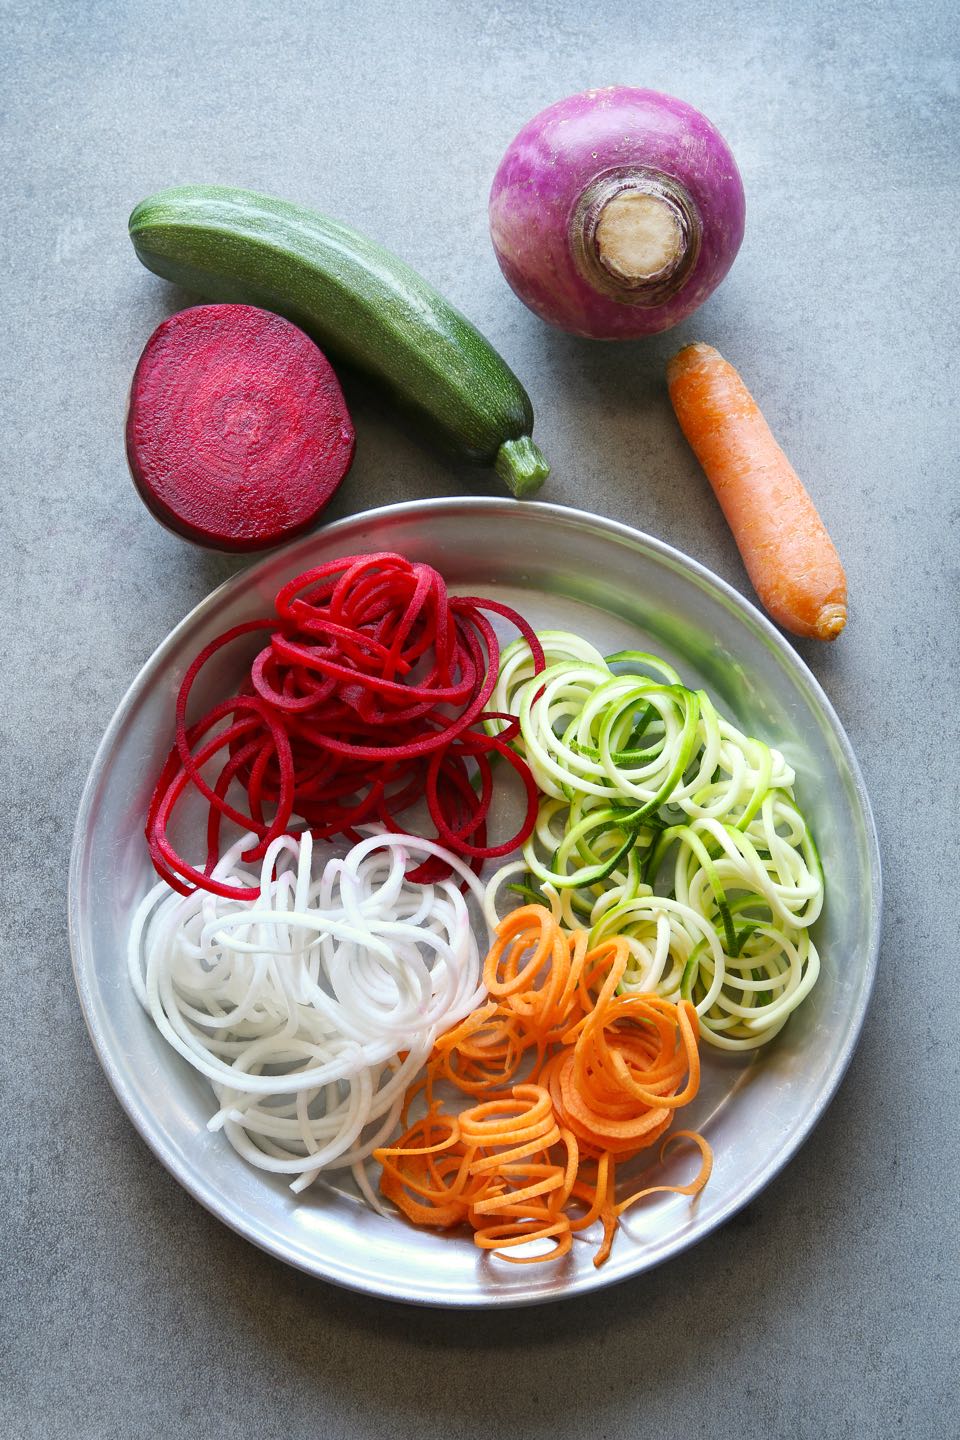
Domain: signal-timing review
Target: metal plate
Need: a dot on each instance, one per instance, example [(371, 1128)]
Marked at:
[(562, 569)]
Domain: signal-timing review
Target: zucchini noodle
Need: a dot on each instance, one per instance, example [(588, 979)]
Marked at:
[(310, 1009), (662, 822)]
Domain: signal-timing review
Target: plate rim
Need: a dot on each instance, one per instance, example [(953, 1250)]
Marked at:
[(155, 1140)]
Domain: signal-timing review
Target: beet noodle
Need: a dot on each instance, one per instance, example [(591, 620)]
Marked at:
[(369, 697)]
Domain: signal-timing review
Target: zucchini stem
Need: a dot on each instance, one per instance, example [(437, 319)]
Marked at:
[(521, 466)]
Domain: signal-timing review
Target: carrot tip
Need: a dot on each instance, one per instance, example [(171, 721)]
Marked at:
[(830, 622)]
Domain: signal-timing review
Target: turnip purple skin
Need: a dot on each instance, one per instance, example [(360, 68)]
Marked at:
[(616, 213)]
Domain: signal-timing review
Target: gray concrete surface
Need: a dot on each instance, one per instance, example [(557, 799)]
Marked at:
[(830, 1307)]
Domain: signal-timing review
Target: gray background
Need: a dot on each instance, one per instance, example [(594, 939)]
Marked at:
[(829, 1307)]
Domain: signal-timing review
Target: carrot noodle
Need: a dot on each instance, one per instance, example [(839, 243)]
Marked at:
[(575, 1079), (310, 1009)]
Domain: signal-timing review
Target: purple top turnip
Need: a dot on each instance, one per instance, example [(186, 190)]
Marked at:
[(617, 212)]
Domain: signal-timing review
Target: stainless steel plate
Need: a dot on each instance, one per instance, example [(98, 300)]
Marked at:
[(562, 569)]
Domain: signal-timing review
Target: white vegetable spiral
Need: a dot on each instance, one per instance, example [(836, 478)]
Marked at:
[(310, 1009)]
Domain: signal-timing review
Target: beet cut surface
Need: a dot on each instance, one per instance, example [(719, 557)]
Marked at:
[(237, 431)]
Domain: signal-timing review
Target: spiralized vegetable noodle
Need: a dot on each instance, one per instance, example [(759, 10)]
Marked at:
[(368, 696), (571, 1078), (311, 1009), (663, 823)]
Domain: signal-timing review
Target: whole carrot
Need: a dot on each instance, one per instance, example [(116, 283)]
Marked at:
[(789, 556)]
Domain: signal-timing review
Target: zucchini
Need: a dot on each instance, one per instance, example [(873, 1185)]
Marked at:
[(358, 302)]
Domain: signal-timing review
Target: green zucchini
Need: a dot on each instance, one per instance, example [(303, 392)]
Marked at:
[(360, 303)]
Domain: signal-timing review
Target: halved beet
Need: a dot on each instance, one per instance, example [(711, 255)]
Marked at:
[(237, 431)]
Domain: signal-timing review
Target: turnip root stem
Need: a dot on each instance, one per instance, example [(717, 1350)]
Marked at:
[(639, 237), (635, 235)]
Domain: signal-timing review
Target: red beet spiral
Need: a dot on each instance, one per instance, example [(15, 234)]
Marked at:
[(368, 698)]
